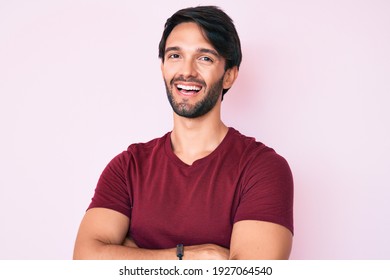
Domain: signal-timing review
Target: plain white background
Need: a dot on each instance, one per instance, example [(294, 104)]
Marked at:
[(80, 81)]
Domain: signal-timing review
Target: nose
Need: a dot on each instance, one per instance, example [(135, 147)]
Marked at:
[(188, 68)]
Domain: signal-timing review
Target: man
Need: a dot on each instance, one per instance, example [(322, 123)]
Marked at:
[(219, 193)]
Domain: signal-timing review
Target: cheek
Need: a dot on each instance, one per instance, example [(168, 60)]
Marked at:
[(211, 75), (168, 72), (211, 79)]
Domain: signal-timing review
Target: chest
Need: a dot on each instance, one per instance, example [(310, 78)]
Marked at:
[(174, 205)]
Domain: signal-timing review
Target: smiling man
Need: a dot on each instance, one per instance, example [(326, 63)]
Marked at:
[(194, 70), (203, 190)]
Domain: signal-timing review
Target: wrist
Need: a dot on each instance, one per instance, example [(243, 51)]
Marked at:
[(180, 251)]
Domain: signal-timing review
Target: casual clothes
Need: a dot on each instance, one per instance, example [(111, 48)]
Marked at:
[(169, 202)]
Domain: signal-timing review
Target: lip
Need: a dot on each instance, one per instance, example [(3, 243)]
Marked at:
[(186, 91)]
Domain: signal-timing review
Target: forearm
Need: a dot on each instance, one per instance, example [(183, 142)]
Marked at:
[(129, 251), (97, 250)]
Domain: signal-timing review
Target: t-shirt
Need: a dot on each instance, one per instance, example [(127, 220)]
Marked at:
[(170, 202)]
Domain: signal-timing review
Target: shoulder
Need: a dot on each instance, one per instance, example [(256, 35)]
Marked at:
[(137, 151), (261, 165), (147, 147), (254, 152)]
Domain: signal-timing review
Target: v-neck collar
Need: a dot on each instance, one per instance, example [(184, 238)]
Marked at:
[(172, 156)]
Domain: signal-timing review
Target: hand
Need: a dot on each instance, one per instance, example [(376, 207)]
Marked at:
[(206, 252), (129, 243)]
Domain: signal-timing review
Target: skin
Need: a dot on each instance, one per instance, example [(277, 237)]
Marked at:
[(190, 60)]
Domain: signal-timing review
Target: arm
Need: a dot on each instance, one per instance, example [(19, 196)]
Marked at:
[(102, 235), (260, 240)]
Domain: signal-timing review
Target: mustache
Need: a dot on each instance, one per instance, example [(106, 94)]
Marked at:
[(189, 80)]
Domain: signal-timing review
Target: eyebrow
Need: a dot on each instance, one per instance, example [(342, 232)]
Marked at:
[(199, 50), (210, 51)]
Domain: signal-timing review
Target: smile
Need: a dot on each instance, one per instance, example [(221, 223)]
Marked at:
[(188, 89)]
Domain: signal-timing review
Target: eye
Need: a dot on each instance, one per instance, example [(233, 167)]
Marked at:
[(206, 59), (173, 56)]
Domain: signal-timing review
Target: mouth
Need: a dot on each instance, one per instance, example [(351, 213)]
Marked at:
[(188, 90)]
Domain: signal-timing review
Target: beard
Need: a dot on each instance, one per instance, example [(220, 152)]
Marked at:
[(184, 109)]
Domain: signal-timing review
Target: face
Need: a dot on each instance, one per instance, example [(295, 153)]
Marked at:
[(193, 71)]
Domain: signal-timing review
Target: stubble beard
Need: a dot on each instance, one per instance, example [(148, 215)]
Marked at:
[(200, 108)]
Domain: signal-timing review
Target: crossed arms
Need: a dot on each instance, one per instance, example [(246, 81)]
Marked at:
[(102, 235)]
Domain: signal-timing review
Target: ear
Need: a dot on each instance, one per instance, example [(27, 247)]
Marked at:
[(229, 77)]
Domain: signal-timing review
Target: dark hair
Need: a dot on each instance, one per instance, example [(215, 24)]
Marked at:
[(218, 27)]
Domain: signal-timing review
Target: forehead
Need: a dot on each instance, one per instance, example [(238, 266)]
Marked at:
[(188, 34)]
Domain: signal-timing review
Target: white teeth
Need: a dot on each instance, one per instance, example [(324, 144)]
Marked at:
[(189, 88)]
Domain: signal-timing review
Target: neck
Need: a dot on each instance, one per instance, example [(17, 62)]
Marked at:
[(193, 139)]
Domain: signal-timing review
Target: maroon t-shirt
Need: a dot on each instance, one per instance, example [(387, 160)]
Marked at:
[(169, 202)]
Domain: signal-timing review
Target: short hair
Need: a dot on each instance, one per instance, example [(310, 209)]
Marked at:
[(218, 28)]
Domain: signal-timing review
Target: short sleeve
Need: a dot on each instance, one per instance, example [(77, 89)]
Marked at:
[(267, 191), (112, 190)]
